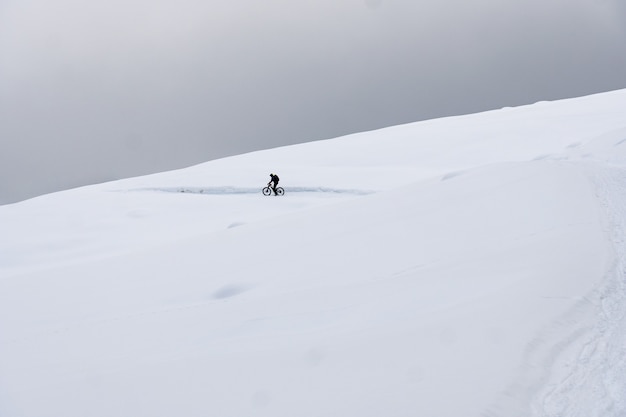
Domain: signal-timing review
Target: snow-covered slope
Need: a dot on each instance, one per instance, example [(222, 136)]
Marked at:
[(467, 266)]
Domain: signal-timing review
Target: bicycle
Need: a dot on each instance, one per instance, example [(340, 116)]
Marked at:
[(268, 190)]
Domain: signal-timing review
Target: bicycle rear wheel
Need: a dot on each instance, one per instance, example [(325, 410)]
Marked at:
[(280, 191)]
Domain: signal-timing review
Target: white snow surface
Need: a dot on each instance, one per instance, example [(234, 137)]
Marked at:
[(458, 267)]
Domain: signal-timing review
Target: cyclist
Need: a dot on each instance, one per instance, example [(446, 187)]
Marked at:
[(273, 180)]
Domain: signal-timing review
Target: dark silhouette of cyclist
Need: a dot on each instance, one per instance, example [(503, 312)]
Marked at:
[(274, 181)]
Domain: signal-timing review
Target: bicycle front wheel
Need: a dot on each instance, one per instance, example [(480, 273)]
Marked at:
[(267, 191)]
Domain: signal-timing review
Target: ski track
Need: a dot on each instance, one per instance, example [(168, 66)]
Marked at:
[(593, 383), (580, 373)]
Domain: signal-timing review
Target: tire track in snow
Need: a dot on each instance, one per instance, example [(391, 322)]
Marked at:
[(231, 190)]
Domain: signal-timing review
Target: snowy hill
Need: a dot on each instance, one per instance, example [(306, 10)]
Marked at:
[(466, 266)]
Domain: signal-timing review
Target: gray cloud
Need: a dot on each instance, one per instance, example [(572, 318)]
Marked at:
[(92, 91)]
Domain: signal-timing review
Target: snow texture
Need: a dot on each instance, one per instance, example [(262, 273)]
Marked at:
[(467, 266)]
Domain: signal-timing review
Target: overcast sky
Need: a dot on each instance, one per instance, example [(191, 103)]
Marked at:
[(104, 89)]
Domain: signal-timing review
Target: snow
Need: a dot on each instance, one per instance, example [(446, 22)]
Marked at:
[(465, 266)]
